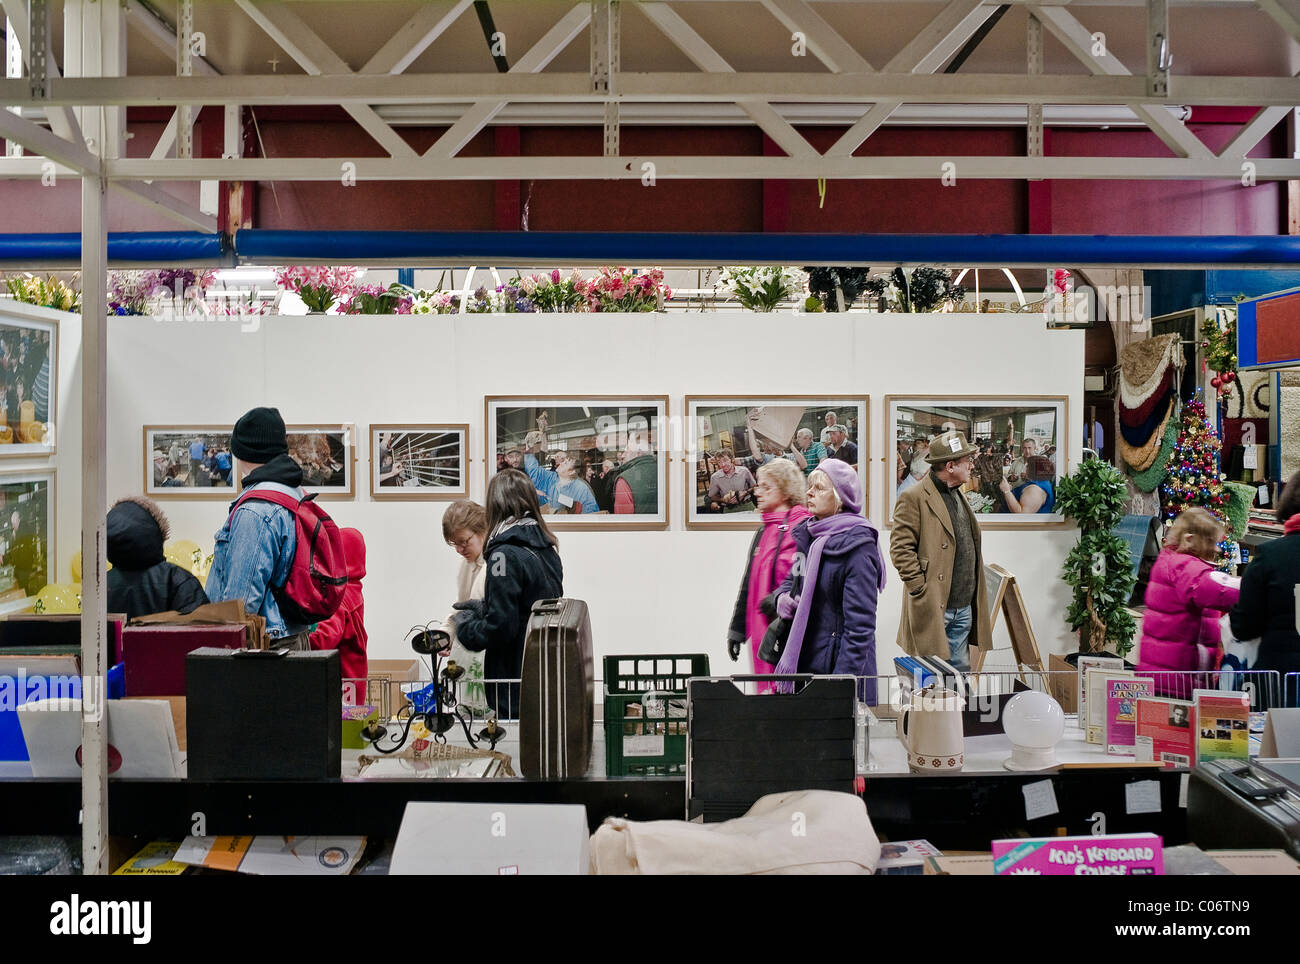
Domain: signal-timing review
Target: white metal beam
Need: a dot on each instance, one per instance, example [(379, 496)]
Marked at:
[(315, 57), (46, 143), (165, 204), (62, 120), (94, 498), (659, 88), (413, 38), (1281, 15), (863, 128), (702, 54), (823, 40), (162, 35), (94, 48), (935, 45), (1254, 131), (533, 61), (702, 167), (1078, 40)]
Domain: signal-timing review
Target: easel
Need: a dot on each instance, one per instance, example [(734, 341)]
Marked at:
[(1003, 595)]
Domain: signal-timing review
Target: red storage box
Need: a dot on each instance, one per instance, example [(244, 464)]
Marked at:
[(155, 655)]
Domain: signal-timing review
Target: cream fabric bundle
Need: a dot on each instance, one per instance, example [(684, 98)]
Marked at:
[(1143, 366), (800, 832)]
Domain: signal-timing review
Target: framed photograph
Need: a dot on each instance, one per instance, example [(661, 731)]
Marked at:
[(29, 342), (728, 438), (598, 461), (419, 462), (327, 454), (195, 461), (1022, 442), (26, 537), (188, 462)]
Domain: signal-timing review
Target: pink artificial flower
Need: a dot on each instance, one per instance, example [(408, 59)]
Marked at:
[(555, 276)]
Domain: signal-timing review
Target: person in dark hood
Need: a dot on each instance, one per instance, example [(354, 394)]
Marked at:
[(523, 566), (142, 581), (346, 629), (255, 548), (830, 600)]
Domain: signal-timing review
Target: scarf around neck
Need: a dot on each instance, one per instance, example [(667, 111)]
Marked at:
[(821, 530)]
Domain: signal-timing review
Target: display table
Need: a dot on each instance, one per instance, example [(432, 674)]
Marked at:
[(960, 811)]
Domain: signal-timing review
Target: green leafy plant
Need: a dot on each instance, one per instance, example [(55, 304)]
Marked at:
[(1099, 567), (46, 292), (762, 288)]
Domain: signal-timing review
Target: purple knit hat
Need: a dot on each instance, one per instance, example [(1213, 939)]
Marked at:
[(845, 479)]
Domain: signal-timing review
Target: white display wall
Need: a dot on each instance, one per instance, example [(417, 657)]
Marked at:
[(649, 592)]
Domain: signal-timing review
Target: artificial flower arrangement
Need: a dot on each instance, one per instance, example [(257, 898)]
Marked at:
[(320, 288), (47, 292), (145, 292), (620, 289), (763, 287), (548, 292), (396, 299)]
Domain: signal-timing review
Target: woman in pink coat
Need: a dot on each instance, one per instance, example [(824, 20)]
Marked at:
[(780, 491), (1185, 600)]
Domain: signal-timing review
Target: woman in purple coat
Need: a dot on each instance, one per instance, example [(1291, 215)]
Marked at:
[(830, 599)]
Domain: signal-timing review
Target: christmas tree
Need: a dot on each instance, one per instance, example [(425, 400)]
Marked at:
[(1192, 477)]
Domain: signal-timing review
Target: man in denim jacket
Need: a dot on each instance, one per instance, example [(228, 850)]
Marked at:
[(256, 545)]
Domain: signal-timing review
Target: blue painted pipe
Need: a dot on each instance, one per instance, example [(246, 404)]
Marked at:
[(486, 247), (138, 247)]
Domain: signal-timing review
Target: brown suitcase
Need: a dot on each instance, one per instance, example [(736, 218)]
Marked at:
[(555, 702)]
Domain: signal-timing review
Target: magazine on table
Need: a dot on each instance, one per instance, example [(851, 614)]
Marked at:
[(1166, 732), (1096, 684), (1222, 725), (1122, 697)]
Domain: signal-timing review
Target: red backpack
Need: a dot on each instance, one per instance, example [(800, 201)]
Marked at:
[(319, 571)]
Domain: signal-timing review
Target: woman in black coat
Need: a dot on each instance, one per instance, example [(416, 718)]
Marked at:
[(142, 581), (523, 566), (1266, 608)]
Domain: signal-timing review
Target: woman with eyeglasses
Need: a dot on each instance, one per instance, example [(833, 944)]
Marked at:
[(464, 528), (522, 566)]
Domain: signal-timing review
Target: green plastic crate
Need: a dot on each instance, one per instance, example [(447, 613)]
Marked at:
[(637, 744)]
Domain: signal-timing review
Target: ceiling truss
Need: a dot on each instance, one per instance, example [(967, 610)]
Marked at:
[(913, 76)]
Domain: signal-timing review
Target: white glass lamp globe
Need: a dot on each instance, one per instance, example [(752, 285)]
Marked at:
[(1034, 722)]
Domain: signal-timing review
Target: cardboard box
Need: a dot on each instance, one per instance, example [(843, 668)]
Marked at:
[(492, 838), (961, 865), (356, 719), (155, 655), (1064, 689), (178, 715), (1256, 862), (392, 673)]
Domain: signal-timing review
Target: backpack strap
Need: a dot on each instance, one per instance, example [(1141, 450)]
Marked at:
[(277, 495)]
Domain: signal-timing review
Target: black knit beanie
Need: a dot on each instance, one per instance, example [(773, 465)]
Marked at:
[(259, 436)]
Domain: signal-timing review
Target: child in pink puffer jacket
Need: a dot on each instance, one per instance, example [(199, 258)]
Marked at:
[(1186, 598)]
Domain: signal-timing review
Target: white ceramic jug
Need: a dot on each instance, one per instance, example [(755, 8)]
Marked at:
[(930, 729)]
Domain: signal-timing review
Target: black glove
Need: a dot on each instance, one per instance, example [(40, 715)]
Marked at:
[(768, 606), (733, 648), (465, 611)]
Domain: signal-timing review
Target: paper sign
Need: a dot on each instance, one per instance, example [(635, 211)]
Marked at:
[(1040, 800), (1182, 791), (1263, 495), (643, 746), (1142, 797), (1114, 854), (1250, 457)]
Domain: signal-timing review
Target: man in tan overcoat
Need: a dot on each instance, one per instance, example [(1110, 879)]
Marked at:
[(935, 547)]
